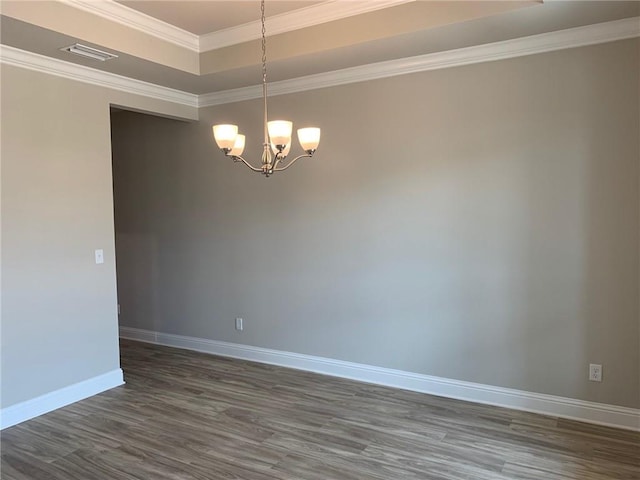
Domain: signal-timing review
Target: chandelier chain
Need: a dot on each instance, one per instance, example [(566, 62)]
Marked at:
[(266, 155), (264, 45)]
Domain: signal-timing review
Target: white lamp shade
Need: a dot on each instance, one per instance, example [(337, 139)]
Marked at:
[(225, 135), (280, 132), (286, 150), (309, 138), (238, 146)]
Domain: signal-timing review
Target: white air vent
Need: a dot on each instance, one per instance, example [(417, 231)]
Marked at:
[(89, 52)]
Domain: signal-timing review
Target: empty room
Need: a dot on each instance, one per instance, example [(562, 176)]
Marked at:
[(320, 240)]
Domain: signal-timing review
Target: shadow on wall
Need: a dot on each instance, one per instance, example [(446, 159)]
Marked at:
[(138, 277)]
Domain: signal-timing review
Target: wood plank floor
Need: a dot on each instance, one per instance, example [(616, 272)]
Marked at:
[(185, 415)]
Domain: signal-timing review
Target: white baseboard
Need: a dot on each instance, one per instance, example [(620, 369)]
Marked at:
[(23, 411), (598, 413)]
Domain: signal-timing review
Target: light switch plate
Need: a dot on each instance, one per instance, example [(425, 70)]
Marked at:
[(99, 256)]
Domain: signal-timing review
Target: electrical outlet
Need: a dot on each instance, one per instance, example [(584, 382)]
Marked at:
[(239, 324), (595, 372)]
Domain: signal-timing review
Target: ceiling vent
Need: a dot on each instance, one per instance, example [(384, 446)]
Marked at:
[(89, 52)]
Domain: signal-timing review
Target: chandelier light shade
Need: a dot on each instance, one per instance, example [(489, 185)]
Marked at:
[(277, 133), (280, 132), (225, 136), (238, 146), (309, 138)]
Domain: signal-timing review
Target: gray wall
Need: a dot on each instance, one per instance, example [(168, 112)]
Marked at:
[(59, 319), (478, 223)]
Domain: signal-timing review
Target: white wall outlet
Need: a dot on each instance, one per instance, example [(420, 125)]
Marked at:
[(99, 256), (239, 324), (595, 372)]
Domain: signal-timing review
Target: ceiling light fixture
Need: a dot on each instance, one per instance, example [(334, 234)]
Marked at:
[(277, 133), (89, 52)]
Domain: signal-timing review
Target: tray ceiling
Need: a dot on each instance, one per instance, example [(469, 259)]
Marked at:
[(344, 36)]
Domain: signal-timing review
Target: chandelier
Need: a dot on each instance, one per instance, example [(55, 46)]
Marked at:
[(277, 133)]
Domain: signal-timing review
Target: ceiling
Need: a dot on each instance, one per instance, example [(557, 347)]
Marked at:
[(211, 46), (200, 17)]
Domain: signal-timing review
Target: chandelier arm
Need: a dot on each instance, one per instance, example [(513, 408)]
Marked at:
[(237, 158), (278, 161), (292, 162)]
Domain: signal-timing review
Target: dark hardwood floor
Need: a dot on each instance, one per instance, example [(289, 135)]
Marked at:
[(185, 415)]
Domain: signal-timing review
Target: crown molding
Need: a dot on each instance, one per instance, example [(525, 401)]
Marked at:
[(129, 17), (53, 66), (545, 42), (328, 11)]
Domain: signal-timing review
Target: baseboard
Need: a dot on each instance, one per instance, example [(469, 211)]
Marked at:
[(591, 412), (29, 409)]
